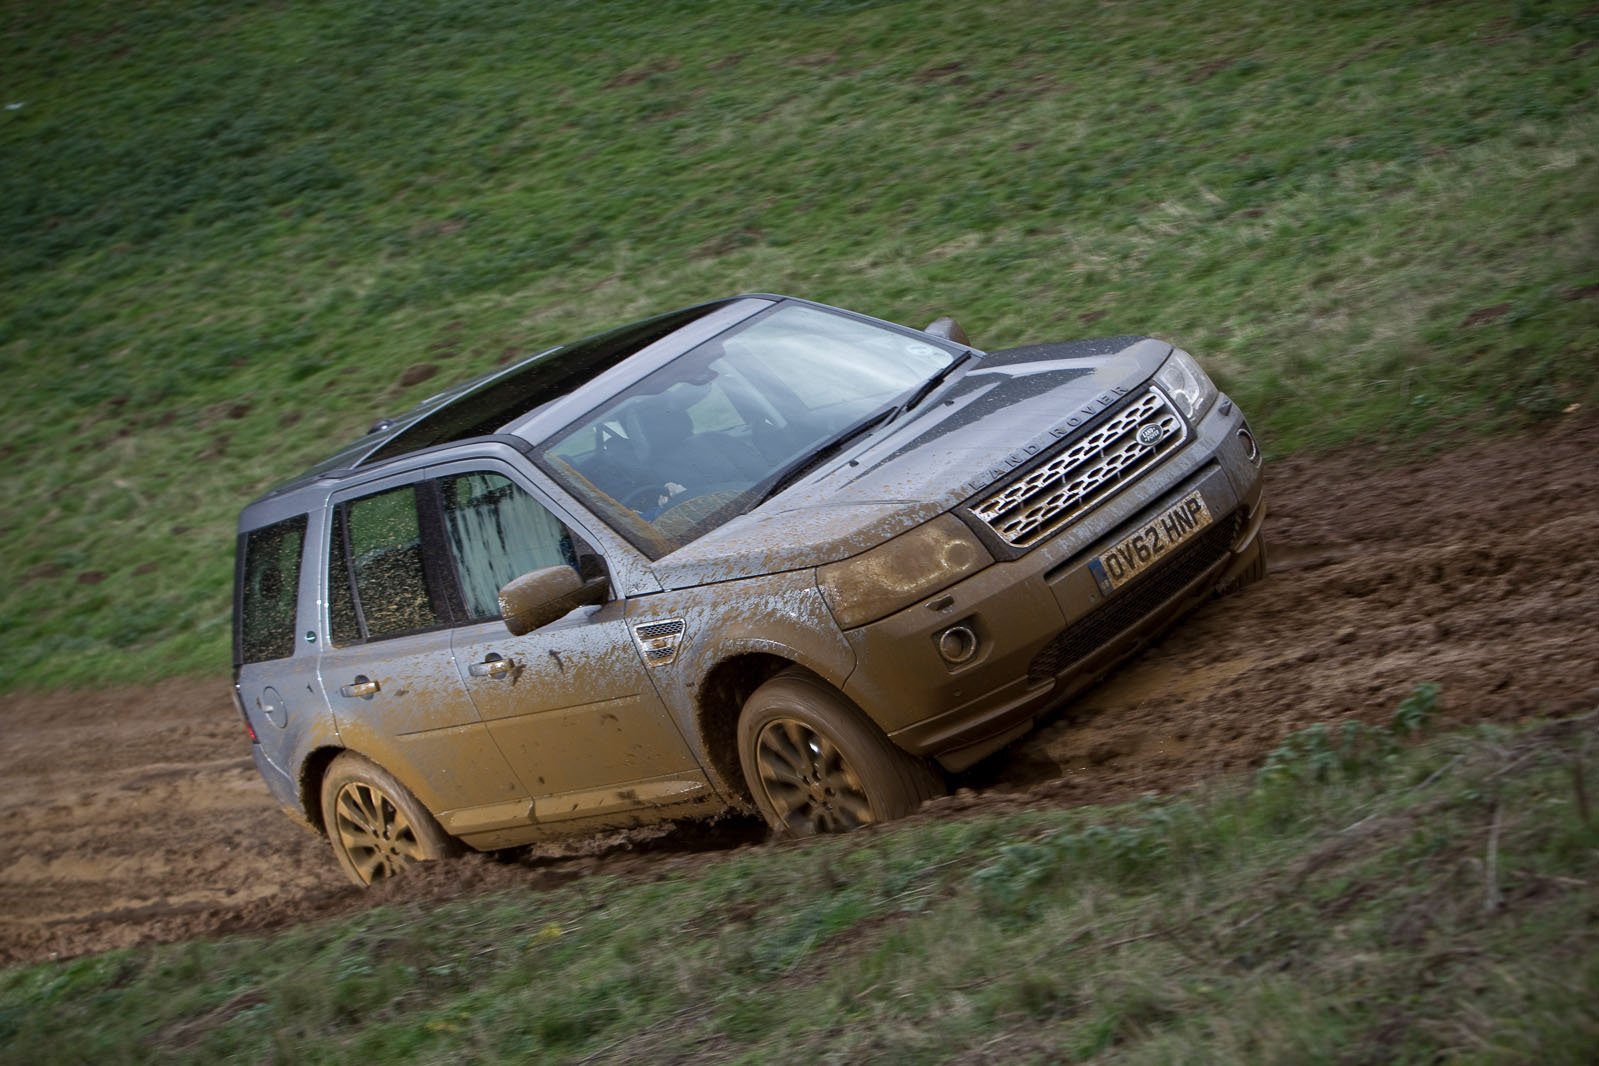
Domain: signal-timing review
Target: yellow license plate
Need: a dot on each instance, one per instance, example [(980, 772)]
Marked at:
[(1152, 542)]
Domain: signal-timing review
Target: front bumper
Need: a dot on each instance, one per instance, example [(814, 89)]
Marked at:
[(1044, 630)]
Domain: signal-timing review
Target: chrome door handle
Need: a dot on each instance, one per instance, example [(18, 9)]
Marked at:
[(495, 667), (362, 687)]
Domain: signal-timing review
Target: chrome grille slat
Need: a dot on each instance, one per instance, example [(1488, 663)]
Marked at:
[(1085, 473), (651, 630)]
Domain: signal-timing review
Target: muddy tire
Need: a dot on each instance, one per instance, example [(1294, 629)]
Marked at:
[(815, 764), (376, 827)]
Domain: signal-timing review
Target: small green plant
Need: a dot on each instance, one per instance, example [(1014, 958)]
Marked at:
[(1416, 709), (1321, 755), (1151, 834)]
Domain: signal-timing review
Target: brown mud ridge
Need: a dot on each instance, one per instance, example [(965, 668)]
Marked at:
[(134, 815)]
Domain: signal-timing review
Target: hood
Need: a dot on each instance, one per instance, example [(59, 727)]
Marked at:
[(1008, 407)]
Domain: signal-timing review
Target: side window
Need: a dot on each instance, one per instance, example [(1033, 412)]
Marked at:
[(382, 540), (269, 580), (498, 532)]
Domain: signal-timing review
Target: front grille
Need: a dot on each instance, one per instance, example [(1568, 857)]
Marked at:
[(1086, 472), (1101, 626)]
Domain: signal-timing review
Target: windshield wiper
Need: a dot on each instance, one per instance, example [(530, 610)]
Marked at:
[(827, 449), (927, 387), (806, 463)]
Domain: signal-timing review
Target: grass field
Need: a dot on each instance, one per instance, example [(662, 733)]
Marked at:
[(233, 235), (1358, 901)]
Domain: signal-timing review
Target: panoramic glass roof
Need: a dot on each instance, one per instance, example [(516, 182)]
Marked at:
[(506, 397)]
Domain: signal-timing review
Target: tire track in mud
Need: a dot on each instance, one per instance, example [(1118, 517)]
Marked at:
[(134, 815)]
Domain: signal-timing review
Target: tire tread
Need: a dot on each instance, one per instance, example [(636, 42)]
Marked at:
[(911, 781)]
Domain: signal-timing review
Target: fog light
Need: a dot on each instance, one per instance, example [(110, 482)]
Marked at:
[(1249, 443), (957, 644)]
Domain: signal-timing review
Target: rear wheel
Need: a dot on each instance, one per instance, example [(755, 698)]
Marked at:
[(376, 827), (815, 764)]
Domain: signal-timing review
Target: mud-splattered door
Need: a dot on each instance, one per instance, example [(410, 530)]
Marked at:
[(577, 717), (571, 704)]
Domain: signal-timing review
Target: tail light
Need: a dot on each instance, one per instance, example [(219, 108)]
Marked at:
[(238, 701)]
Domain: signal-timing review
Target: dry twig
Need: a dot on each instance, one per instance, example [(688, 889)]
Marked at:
[(1580, 787), (1492, 899)]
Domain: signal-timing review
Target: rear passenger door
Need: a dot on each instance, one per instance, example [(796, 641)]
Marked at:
[(571, 704), (387, 669)]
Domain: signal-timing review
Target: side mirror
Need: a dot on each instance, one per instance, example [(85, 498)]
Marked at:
[(538, 598), (949, 329)]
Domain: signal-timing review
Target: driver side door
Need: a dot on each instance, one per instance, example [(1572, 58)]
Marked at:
[(571, 704)]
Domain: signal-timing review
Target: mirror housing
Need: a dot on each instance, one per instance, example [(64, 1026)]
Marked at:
[(946, 327), (540, 597)]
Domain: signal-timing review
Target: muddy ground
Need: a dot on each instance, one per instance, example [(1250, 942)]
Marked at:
[(134, 815)]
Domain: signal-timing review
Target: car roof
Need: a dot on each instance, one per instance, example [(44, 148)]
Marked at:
[(515, 403)]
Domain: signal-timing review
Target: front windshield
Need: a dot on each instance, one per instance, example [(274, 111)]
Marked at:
[(701, 439)]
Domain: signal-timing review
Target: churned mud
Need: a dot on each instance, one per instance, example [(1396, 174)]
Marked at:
[(134, 815)]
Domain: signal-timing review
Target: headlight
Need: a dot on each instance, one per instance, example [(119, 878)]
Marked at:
[(877, 583), (1187, 385)]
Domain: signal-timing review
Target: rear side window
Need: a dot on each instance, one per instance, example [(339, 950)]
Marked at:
[(269, 582), (378, 541)]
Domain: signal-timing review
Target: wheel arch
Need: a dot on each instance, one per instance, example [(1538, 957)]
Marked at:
[(721, 698), (312, 771)]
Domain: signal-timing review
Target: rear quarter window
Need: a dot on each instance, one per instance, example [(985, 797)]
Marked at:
[(269, 583)]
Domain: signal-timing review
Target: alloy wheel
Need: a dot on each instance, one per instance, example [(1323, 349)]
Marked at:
[(374, 832), (809, 782)]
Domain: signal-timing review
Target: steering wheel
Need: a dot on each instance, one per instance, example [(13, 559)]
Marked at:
[(645, 496), (683, 521)]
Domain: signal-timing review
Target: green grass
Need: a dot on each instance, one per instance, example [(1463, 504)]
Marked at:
[(1391, 903), (229, 230)]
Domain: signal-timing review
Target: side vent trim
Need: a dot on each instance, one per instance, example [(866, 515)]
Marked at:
[(658, 641)]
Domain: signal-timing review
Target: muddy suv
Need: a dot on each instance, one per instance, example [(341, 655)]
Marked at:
[(758, 552)]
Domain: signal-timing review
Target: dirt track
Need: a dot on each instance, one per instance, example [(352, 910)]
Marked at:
[(135, 815)]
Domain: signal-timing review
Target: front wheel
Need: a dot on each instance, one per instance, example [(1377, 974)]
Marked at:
[(376, 827), (815, 764)]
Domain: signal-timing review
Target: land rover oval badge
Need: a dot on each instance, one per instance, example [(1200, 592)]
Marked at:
[(1150, 436)]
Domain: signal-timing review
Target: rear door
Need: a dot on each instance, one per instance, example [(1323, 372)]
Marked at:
[(388, 672), (571, 705)]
